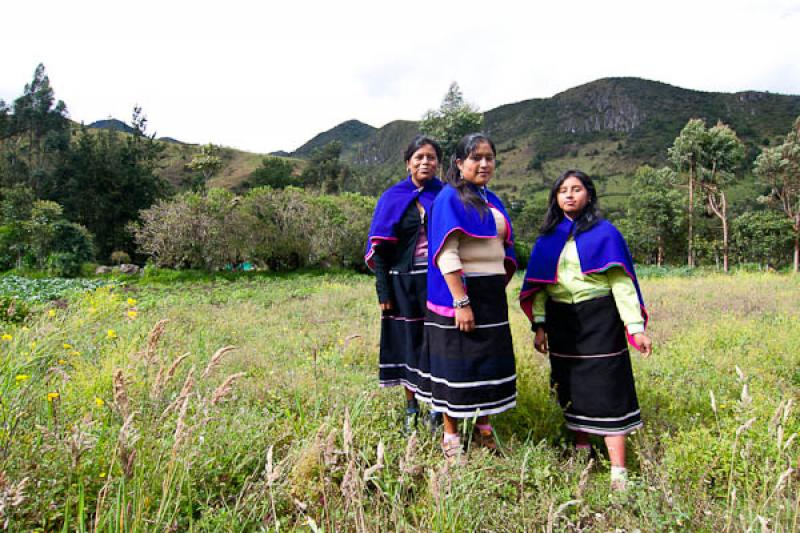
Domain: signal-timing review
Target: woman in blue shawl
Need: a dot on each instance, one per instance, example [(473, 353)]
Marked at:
[(397, 251), (583, 299), (468, 359)]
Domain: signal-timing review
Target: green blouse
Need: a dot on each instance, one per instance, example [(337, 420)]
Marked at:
[(573, 286)]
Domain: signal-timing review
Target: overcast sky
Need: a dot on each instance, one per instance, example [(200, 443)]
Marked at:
[(264, 76)]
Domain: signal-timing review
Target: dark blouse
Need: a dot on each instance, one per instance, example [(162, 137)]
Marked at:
[(397, 255)]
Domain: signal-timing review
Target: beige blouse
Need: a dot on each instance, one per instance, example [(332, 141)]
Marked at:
[(472, 255)]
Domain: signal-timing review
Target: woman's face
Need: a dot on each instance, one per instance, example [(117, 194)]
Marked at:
[(423, 164), (572, 197), (478, 167)]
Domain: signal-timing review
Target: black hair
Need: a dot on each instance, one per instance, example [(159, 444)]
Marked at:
[(418, 142), (590, 215), (468, 144)]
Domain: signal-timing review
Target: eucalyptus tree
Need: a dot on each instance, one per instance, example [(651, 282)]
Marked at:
[(684, 154), (780, 168), (722, 154), (454, 119), (711, 156), (39, 132)]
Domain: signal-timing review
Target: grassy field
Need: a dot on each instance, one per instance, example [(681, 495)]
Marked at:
[(251, 404)]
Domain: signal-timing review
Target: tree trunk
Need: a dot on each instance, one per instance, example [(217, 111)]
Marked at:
[(724, 218), (690, 259), (797, 244), (660, 256)]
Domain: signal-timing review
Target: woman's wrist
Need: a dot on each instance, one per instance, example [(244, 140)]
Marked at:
[(460, 303)]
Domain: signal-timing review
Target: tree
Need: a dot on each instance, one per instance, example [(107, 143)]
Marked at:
[(779, 167), (34, 133), (325, 170), (207, 163), (274, 172), (722, 154), (711, 157), (763, 237), (106, 179), (654, 213), (15, 210), (684, 154), (55, 243), (454, 119)]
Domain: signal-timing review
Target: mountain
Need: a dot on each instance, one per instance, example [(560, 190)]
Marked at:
[(607, 128), (112, 124), (348, 133)]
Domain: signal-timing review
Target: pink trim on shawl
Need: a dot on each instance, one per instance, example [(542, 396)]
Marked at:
[(507, 239), (368, 258), (441, 309), (526, 300), (447, 235)]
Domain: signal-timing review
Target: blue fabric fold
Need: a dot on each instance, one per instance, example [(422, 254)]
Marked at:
[(449, 214), (600, 248), (390, 208)]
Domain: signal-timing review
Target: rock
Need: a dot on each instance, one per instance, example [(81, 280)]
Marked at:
[(103, 270), (127, 268)]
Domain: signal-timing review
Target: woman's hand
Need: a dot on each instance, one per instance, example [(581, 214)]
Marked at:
[(465, 320), (386, 306), (644, 344), (540, 341)]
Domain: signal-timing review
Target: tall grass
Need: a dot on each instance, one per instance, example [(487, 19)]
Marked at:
[(251, 404)]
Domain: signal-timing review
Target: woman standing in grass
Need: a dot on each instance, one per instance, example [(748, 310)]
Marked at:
[(468, 356), (397, 251), (582, 296)]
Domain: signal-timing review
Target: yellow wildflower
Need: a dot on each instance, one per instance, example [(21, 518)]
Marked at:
[(51, 313), (33, 345), (99, 402), (67, 346), (62, 361), (75, 353), (51, 396), (6, 337), (112, 334), (132, 313), (22, 377), (102, 474), (131, 301)]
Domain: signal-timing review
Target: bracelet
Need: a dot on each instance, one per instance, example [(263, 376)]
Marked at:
[(463, 302)]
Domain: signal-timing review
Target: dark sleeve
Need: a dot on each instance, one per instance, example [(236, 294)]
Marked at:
[(382, 284)]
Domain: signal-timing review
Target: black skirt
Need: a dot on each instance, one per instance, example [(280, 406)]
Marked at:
[(401, 330), (591, 367), (470, 374)]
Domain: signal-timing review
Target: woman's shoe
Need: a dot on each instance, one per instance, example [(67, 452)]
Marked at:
[(453, 451), (619, 479), (434, 421), (410, 421), (484, 438)]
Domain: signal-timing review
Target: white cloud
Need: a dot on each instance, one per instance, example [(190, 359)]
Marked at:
[(263, 77)]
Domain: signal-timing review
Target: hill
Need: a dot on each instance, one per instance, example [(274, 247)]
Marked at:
[(112, 124), (607, 127), (348, 133)]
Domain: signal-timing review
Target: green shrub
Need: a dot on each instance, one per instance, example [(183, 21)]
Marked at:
[(13, 310)]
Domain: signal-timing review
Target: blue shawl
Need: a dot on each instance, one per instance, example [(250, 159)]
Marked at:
[(390, 208), (600, 248), (449, 214)]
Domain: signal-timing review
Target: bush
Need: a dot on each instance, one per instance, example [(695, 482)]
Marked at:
[(277, 229), (13, 310), (119, 257)]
